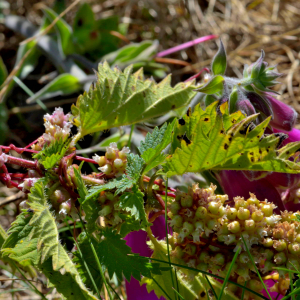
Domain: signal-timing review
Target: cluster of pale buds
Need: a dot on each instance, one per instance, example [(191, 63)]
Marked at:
[(109, 210), (207, 232), (114, 162), (57, 127)]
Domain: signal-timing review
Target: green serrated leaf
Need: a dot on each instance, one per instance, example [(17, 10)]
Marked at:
[(153, 145), (53, 153), (133, 202), (121, 98), (114, 255), (213, 146), (213, 86), (34, 240), (134, 166), (219, 62)]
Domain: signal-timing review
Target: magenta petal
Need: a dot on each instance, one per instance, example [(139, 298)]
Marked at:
[(283, 180), (234, 184), (137, 241), (269, 283), (284, 115), (294, 135)]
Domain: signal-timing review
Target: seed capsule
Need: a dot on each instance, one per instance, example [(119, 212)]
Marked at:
[(279, 245), (234, 227), (175, 207), (186, 201), (243, 213), (201, 212), (268, 242), (106, 169), (176, 221), (213, 207), (294, 248), (279, 258), (267, 209), (249, 224), (257, 216), (231, 213), (118, 163)]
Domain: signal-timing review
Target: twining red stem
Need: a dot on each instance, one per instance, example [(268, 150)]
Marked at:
[(21, 162), (198, 74), (169, 194), (159, 199), (156, 215)]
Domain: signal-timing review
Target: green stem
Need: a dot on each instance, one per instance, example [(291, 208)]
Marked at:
[(258, 274), (30, 93), (96, 258), (130, 135), (31, 284), (167, 233), (84, 262)]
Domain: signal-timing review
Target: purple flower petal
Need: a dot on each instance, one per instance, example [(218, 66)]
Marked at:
[(137, 241), (269, 283), (234, 184), (284, 115), (294, 135)]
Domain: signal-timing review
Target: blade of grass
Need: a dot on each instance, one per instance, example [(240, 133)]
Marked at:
[(208, 274), (211, 287), (84, 262), (243, 291), (229, 271), (292, 286), (178, 294), (162, 289), (130, 136), (96, 258), (30, 283), (252, 260), (167, 234), (288, 297), (30, 93)]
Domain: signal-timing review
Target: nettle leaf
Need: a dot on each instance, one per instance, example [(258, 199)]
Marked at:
[(215, 85), (216, 140), (34, 240), (87, 258), (133, 202), (53, 153), (154, 144), (121, 98), (114, 255), (134, 166), (219, 62)]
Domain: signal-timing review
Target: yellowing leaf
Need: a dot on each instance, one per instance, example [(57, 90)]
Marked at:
[(216, 140)]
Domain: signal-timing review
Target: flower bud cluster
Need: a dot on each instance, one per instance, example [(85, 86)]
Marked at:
[(110, 210), (208, 232), (57, 127), (114, 162)]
